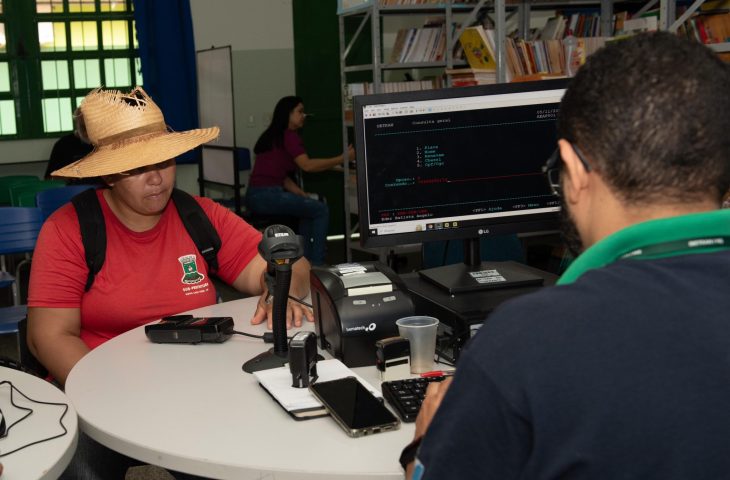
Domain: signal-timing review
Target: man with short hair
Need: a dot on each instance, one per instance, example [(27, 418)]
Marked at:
[(623, 369)]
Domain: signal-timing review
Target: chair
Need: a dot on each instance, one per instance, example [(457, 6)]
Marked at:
[(19, 228), (51, 200), (24, 195), (225, 167), (8, 181)]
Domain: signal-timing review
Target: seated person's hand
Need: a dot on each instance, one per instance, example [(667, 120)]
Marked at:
[(434, 396), (350, 153), (295, 311)]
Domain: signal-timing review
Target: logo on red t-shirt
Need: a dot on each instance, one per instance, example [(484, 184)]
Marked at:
[(190, 270)]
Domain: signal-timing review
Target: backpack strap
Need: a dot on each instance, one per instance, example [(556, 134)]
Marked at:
[(93, 231), (199, 228)]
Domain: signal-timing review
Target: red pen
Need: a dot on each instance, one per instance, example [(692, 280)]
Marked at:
[(437, 373)]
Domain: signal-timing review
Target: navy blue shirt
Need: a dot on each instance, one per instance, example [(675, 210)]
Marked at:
[(624, 374)]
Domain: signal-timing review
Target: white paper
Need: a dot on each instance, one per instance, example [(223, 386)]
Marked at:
[(278, 381)]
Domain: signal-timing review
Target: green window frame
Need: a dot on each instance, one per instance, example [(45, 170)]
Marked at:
[(53, 52)]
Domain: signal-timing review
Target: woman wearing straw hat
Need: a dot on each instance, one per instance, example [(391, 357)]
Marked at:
[(140, 280), (279, 152)]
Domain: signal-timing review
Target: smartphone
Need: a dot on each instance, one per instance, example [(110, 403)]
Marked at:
[(354, 407)]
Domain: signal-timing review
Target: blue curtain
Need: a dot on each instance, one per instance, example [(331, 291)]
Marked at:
[(167, 52)]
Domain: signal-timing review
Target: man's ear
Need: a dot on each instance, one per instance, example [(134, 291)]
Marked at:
[(575, 176), (109, 180)]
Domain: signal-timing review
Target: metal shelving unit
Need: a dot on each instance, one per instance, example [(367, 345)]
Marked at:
[(371, 14), (668, 20)]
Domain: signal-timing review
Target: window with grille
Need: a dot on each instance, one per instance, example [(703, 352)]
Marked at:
[(53, 52)]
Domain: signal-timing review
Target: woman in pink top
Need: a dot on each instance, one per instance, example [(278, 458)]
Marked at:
[(279, 152)]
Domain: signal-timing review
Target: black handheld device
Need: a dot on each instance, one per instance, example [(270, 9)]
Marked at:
[(354, 407), (190, 329), (303, 359)]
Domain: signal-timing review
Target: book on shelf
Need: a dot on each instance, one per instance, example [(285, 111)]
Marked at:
[(479, 53), (618, 21), (415, 45), (554, 28), (527, 58), (538, 76), (707, 28), (717, 26), (715, 6), (635, 25), (463, 77)]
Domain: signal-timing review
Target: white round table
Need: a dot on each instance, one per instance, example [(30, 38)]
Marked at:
[(45, 460), (191, 408)]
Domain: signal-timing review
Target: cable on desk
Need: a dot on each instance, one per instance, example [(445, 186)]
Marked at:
[(441, 357), (30, 411), (249, 334), (267, 337)]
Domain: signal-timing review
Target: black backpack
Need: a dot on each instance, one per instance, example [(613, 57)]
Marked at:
[(93, 230)]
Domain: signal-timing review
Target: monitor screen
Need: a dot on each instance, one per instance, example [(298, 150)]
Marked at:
[(458, 163)]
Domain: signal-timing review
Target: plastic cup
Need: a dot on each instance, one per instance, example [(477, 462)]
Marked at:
[(421, 333)]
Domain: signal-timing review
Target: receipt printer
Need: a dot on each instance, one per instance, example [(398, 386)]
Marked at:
[(356, 304)]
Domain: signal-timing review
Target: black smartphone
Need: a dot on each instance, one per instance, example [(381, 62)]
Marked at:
[(354, 407)]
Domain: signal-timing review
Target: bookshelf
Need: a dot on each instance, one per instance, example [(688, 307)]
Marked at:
[(360, 18), (668, 20), (370, 14), (456, 14)]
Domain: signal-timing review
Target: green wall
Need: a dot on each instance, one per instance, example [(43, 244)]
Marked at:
[(317, 66)]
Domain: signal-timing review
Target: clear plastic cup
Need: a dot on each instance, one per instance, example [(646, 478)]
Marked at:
[(421, 333)]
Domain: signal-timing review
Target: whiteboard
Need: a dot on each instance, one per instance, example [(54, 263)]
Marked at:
[(215, 107), (219, 166)]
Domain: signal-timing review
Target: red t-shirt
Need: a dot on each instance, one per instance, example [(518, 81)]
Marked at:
[(146, 275), (272, 167)]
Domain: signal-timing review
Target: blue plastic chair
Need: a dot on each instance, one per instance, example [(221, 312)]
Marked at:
[(9, 181), (51, 200), (19, 228)]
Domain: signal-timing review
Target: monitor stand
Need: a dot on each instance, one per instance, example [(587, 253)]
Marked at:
[(474, 274)]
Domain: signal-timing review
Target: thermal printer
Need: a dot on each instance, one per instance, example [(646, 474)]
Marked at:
[(356, 304)]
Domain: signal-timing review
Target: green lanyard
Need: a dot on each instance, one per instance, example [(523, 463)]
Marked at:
[(680, 247), (704, 232)]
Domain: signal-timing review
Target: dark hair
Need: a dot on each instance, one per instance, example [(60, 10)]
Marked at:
[(652, 114), (273, 136)]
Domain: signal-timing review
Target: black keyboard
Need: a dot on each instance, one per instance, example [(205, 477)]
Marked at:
[(407, 395)]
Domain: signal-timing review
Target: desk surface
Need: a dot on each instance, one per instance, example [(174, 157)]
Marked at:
[(191, 408), (47, 459)]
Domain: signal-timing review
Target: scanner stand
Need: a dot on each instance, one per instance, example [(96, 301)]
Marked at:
[(265, 361)]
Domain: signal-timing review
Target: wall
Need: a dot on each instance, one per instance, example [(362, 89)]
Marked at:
[(262, 49), (261, 38), (260, 35)]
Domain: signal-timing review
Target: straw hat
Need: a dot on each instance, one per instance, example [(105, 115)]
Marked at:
[(128, 131)]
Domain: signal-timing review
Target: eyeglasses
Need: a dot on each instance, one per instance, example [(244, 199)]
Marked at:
[(553, 166)]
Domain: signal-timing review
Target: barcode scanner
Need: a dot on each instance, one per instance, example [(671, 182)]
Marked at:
[(280, 247)]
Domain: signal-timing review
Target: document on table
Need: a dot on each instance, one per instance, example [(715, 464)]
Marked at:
[(299, 402)]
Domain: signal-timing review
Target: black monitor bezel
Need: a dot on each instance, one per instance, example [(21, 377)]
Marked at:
[(495, 226)]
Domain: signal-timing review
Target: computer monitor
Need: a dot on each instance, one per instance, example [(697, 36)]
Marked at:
[(459, 163)]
